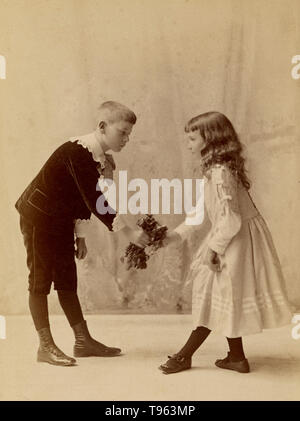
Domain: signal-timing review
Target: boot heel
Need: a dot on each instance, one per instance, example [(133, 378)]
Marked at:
[(81, 353), (86, 346), (48, 352), (41, 357)]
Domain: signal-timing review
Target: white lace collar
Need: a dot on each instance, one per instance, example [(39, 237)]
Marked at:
[(92, 144)]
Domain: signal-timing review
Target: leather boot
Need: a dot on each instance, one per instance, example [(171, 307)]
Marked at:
[(48, 351), (86, 346)]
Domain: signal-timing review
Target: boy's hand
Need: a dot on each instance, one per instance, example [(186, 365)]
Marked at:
[(171, 238), (213, 261), (81, 249)]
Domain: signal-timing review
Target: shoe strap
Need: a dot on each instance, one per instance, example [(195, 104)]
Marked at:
[(177, 357)]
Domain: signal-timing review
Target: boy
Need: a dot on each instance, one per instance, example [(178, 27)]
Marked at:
[(52, 208)]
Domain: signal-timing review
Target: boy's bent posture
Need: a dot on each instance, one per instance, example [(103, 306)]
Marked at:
[(51, 209)]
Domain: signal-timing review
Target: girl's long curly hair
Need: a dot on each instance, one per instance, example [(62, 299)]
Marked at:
[(222, 145)]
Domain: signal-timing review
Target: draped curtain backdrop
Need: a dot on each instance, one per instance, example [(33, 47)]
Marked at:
[(168, 60)]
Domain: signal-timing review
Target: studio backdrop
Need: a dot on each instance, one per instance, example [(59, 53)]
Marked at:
[(168, 60)]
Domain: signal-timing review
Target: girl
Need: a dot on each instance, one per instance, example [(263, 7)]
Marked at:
[(238, 286)]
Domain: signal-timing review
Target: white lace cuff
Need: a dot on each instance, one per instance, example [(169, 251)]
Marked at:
[(118, 223), (81, 227)]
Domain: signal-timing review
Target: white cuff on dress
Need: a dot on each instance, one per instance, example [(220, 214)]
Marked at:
[(118, 223), (81, 226)]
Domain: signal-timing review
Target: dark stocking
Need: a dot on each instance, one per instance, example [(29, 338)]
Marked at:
[(196, 338), (71, 306), (236, 349), (38, 306)]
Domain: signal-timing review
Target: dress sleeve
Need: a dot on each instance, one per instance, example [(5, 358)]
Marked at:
[(183, 230), (227, 221)]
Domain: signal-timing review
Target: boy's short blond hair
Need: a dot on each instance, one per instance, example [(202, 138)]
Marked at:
[(111, 111)]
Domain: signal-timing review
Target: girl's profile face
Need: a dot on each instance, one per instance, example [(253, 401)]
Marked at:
[(195, 143)]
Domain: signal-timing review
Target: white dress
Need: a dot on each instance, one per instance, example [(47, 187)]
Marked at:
[(248, 294)]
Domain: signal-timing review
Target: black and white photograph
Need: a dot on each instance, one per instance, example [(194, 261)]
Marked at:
[(150, 203)]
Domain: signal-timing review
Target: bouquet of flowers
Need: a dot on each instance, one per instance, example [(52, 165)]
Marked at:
[(136, 256)]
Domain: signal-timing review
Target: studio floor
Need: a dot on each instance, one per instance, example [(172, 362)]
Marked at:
[(146, 341)]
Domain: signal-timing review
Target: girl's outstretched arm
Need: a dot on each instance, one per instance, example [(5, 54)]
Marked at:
[(196, 220), (228, 219)]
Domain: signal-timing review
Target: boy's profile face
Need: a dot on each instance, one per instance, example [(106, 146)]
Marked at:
[(115, 134)]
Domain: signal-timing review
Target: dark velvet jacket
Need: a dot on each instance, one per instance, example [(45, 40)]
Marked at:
[(64, 190)]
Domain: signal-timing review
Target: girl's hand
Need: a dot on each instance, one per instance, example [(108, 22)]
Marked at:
[(171, 238), (213, 261), (136, 236), (140, 238), (81, 249)]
